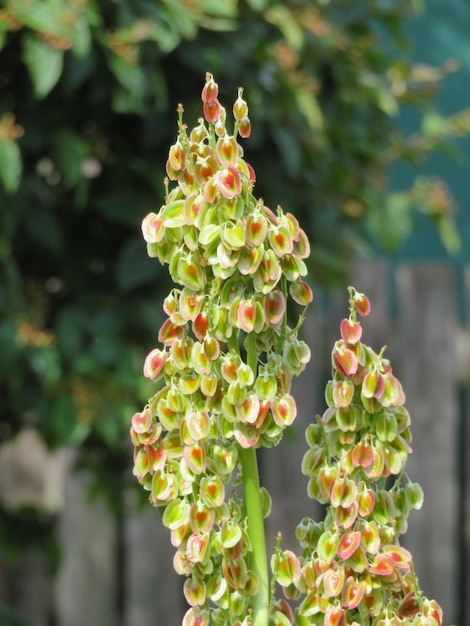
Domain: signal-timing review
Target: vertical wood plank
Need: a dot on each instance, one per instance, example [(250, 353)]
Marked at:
[(428, 373), (86, 587), (153, 590), (30, 477), (464, 379)]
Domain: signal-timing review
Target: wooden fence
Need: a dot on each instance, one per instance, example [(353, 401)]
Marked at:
[(119, 572)]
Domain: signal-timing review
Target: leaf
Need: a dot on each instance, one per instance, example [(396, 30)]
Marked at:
[(310, 108), (284, 19), (11, 166), (69, 153), (44, 64)]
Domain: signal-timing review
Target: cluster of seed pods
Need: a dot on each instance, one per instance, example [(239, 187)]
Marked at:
[(353, 569), (226, 357)]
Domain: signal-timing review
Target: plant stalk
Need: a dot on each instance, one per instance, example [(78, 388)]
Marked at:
[(254, 514)]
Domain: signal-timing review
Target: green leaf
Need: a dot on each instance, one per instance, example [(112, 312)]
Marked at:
[(44, 64), (284, 19), (10, 165), (69, 152)]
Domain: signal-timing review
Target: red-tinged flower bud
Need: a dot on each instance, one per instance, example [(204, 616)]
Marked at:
[(301, 292), (211, 111), (414, 495), (301, 248), (347, 418), (247, 435), (393, 394), (333, 581), (154, 363), (335, 616), (198, 424), (195, 457), (212, 491), (370, 536), (210, 91), (196, 547), (194, 591), (246, 315), (141, 464), (361, 303), (288, 568), (152, 228), (284, 410), (274, 306), (327, 545), (209, 383), (204, 169), (362, 454), (348, 544), (366, 502), (176, 514), (248, 411), (224, 459), (344, 359), (229, 182), (191, 208), (353, 592), (345, 517), (268, 274), (201, 517), (400, 556), (244, 128), (230, 534), (343, 392), (280, 239), (376, 468), (190, 304), (382, 565), (384, 509), (201, 325), (350, 331), (227, 150), (233, 234), (142, 422), (164, 488), (177, 157), (256, 229), (249, 260), (240, 107)]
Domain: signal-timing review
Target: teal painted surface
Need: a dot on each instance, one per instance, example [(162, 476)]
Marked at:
[(440, 32)]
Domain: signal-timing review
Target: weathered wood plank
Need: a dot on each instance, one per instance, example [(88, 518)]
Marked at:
[(86, 587), (464, 379), (153, 590), (428, 372)]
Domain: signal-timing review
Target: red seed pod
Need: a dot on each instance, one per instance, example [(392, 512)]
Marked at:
[(240, 107), (244, 129), (210, 91), (211, 111)]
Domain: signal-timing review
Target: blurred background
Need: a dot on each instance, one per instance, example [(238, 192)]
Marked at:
[(361, 128)]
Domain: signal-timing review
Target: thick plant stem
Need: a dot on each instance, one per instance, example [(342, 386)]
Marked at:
[(255, 521), (254, 514)]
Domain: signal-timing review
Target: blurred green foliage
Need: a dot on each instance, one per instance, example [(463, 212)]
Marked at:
[(89, 93)]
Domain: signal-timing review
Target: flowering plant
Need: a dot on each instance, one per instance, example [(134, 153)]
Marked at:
[(229, 352)]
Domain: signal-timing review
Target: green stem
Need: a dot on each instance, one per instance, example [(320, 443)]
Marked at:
[(254, 514)]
